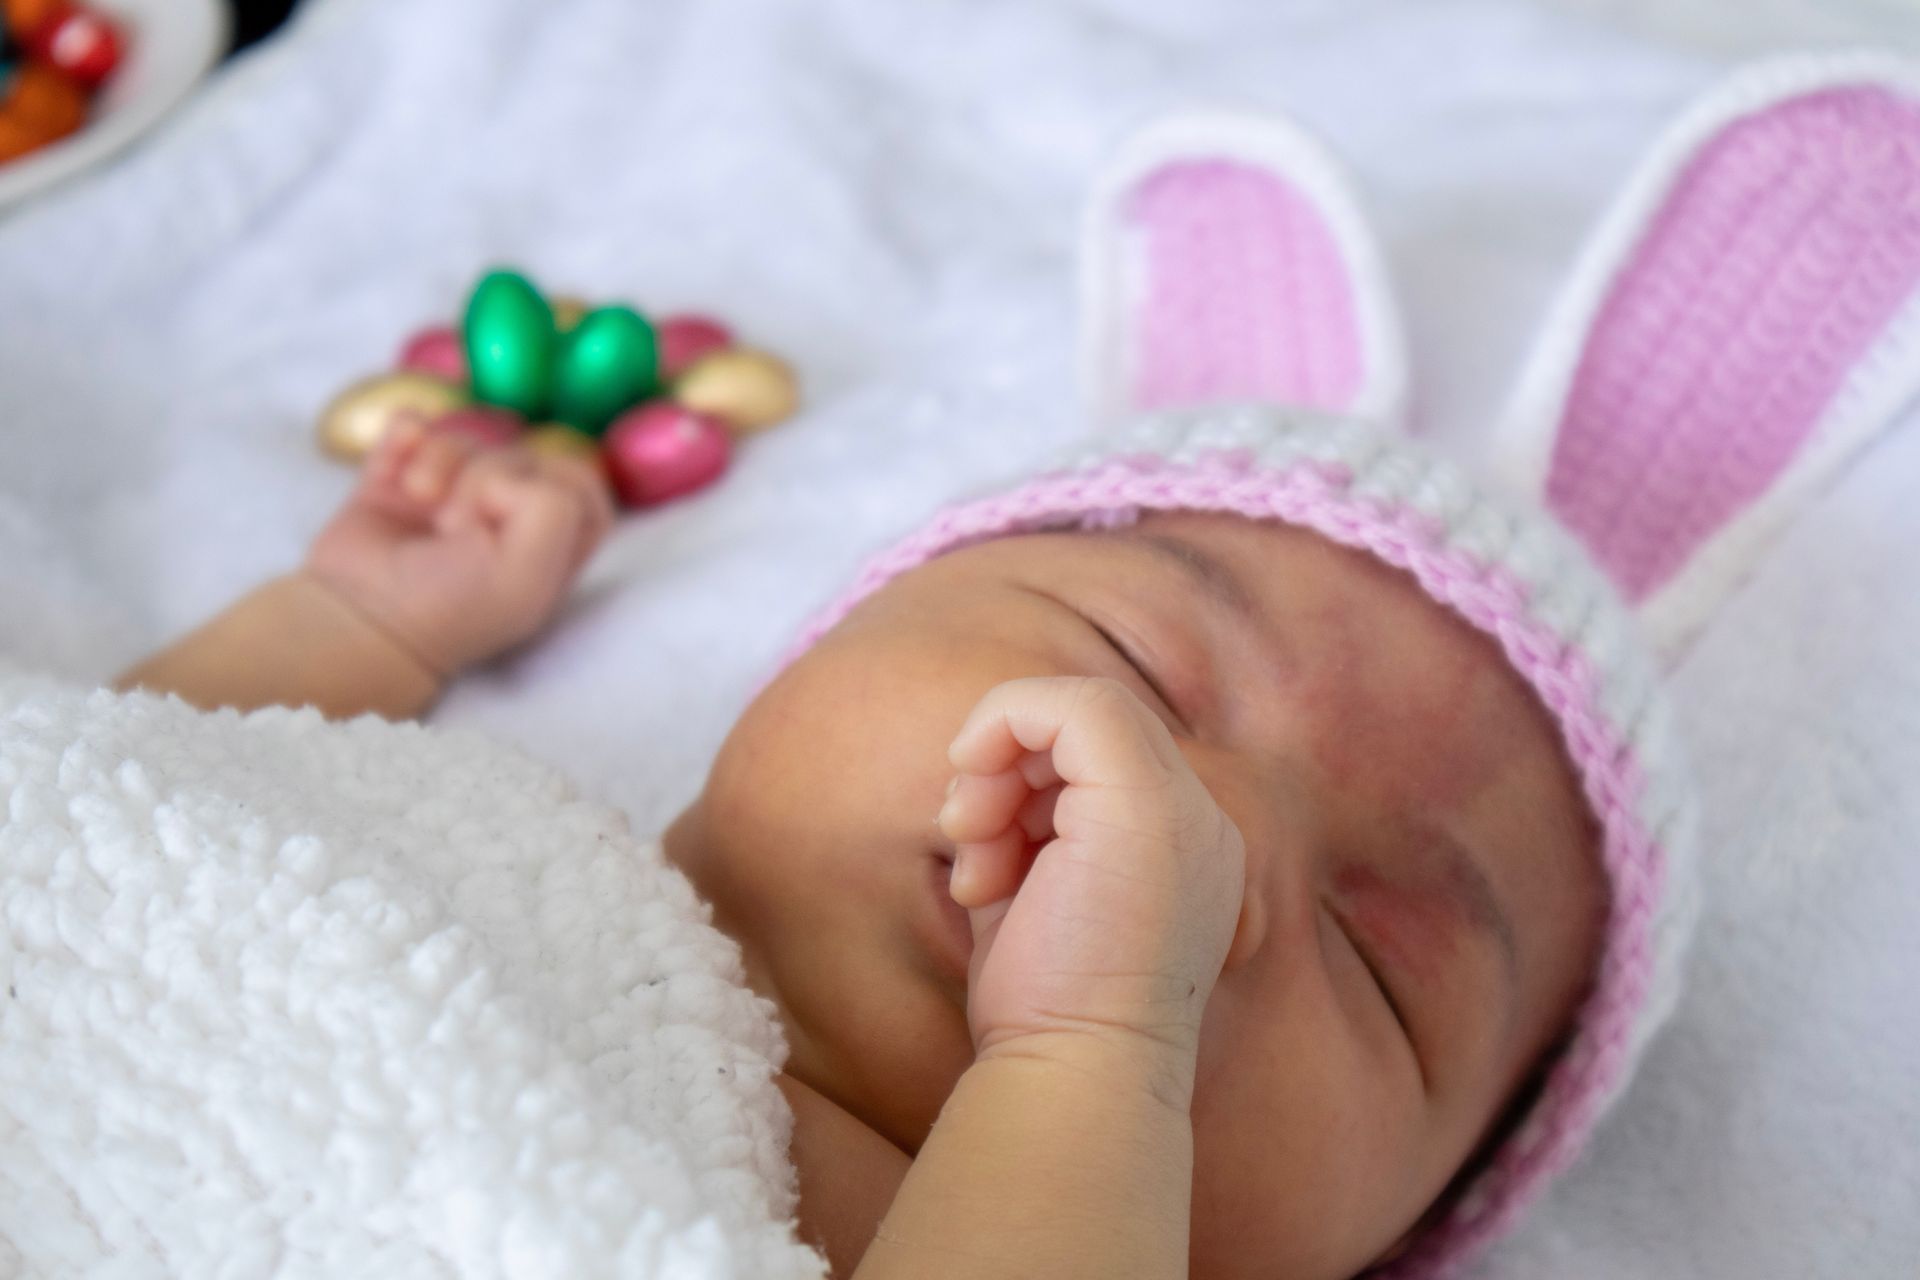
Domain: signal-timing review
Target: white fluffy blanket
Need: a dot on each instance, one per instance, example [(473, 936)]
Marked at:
[(297, 999), (886, 192)]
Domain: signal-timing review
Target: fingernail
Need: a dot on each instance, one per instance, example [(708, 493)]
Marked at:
[(953, 785), (958, 880)]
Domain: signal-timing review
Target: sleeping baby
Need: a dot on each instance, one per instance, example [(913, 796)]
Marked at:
[(1253, 848)]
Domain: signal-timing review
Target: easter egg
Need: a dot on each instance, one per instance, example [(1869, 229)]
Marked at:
[(749, 390), (361, 415), (568, 311), (606, 363), (25, 16), (83, 44), (483, 424), (557, 439), (511, 343), (43, 106), (662, 450), (684, 339), (439, 351)]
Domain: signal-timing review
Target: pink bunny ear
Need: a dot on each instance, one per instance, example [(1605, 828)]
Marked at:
[(1224, 258), (1747, 316)]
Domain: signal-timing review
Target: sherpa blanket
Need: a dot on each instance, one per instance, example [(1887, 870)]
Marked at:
[(290, 997)]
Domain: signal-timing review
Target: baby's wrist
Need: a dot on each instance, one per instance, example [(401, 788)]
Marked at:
[(1121, 1063), (1060, 1165), (290, 642), (381, 650)]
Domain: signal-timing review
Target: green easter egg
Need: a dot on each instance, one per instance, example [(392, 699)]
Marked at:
[(608, 362), (511, 344)]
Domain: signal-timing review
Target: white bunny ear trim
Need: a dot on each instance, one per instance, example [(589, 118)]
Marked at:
[(1224, 257), (1744, 319)]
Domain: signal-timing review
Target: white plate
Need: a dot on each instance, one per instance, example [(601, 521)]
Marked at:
[(170, 45)]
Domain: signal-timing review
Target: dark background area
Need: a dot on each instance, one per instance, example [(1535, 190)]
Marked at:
[(253, 19)]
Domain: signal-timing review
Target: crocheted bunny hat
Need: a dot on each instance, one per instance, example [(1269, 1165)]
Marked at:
[(1742, 320)]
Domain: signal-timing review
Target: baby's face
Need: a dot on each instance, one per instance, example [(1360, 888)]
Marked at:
[(1434, 902)]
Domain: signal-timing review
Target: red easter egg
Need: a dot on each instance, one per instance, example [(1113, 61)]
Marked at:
[(486, 426), (684, 339), (82, 43), (660, 450), (439, 351)]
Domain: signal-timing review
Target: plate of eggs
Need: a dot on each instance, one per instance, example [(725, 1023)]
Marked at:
[(80, 79)]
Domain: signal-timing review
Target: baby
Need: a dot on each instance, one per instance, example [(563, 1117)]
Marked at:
[(1247, 851), (1359, 841)]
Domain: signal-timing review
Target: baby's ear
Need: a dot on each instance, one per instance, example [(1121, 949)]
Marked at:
[(1741, 324)]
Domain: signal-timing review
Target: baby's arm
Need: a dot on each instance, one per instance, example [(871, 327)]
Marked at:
[(1066, 1149), (291, 642), (445, 555), (1063, 1165)]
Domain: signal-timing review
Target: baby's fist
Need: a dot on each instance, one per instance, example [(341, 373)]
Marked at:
[(1117, 933), (461, 551)]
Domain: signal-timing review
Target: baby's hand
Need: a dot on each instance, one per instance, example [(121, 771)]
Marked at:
[(1117, 934), (457, 550)]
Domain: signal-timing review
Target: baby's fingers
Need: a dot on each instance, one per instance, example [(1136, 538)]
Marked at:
[(477, 491), (1096, 732), (980, 807), (988, 871), (394, 450), (433, 467), (545, 527), (991, 868)]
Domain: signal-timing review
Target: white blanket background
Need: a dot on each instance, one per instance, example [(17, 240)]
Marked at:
[(885, 191)]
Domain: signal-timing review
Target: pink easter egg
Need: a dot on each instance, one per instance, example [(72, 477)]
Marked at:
[(684, 339), (483, 424), (660, 450), (439, 351)]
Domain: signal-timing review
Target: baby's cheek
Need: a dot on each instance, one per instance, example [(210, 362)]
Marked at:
[(1305, 1135)]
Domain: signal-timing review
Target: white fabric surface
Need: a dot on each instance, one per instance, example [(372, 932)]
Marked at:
[(886, 193), (291, 998)]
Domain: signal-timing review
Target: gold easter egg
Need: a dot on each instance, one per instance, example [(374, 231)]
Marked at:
[(360, 415), (558, 440), (748, 389), (568, 311)]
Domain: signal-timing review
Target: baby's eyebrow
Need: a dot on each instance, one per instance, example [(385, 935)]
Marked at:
[(1204, 570)]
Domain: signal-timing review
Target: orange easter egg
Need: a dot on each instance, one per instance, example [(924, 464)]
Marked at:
[(43, 107), (26, 16)]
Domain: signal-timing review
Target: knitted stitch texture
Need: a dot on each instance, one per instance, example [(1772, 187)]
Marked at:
[(1782, 253), (1250, 298)]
